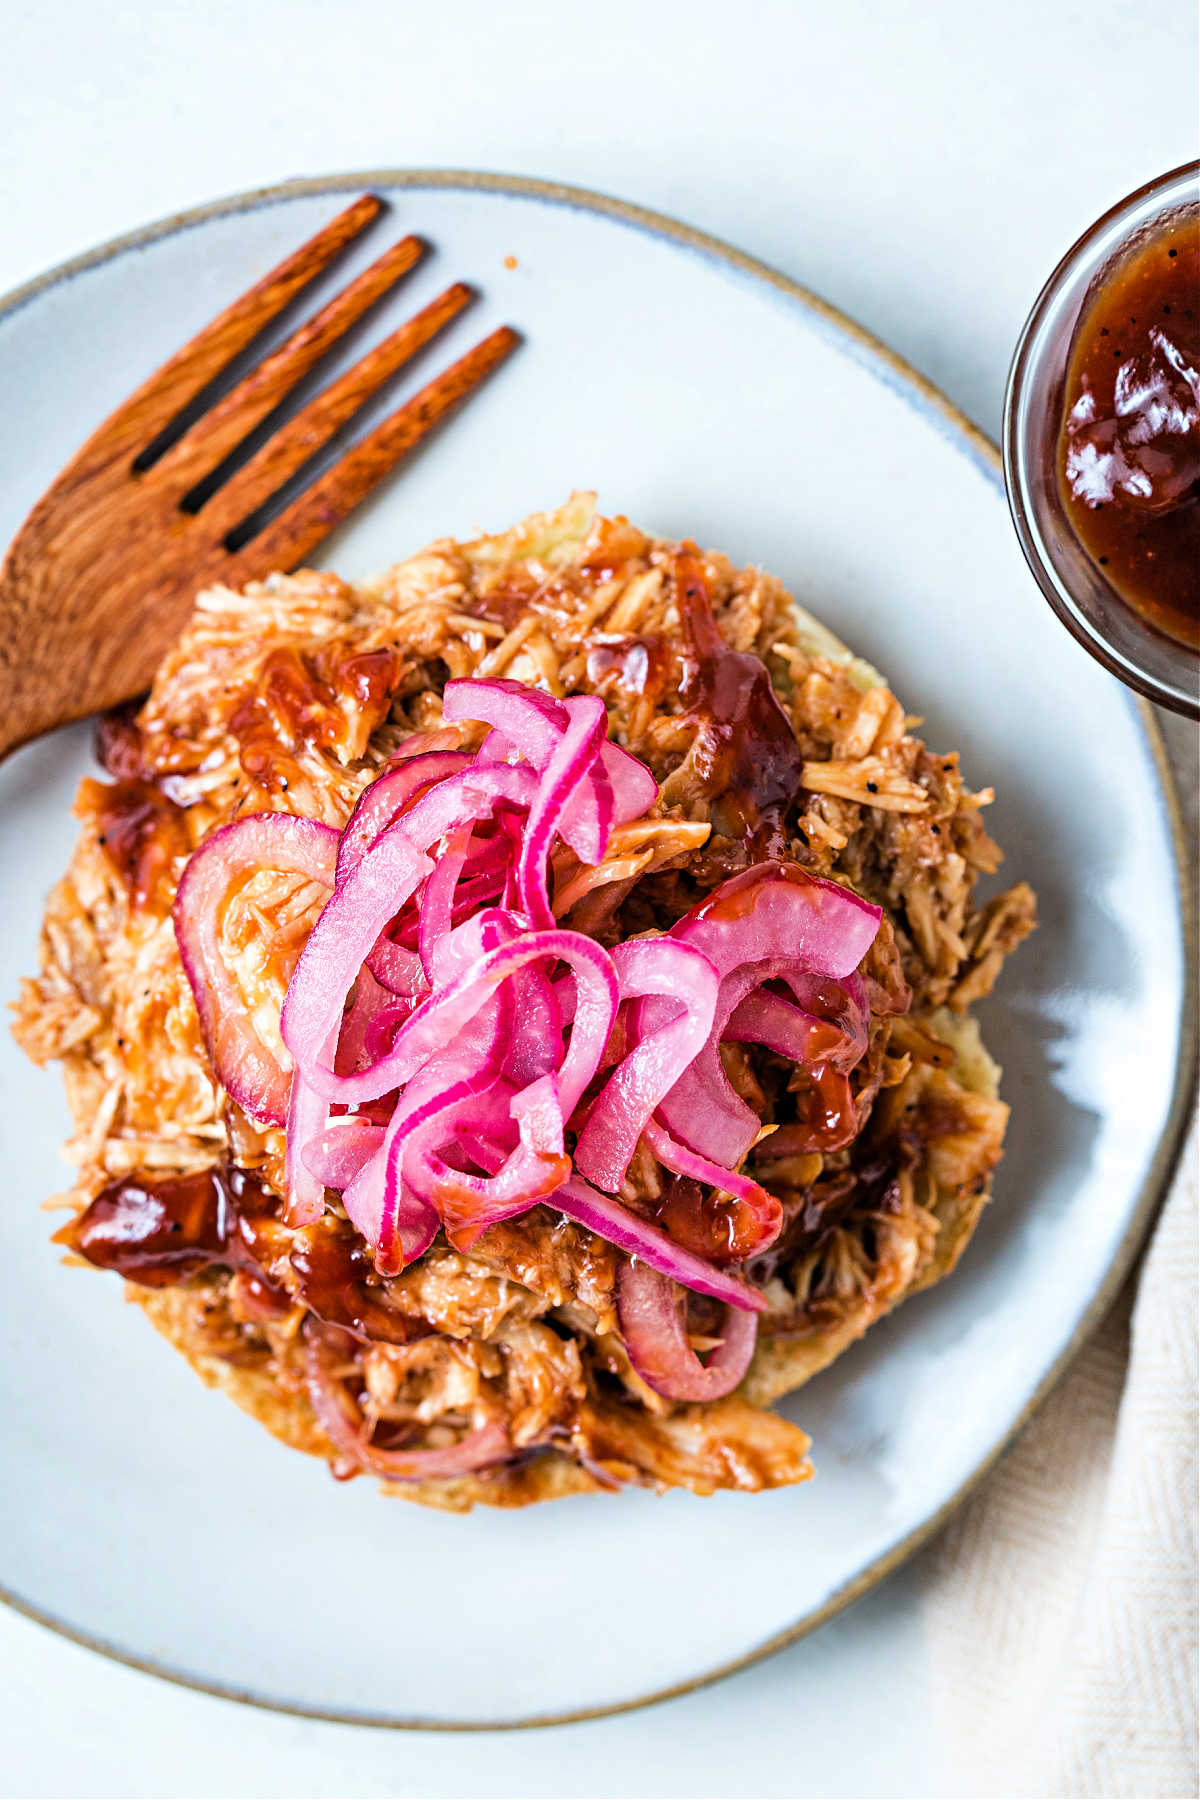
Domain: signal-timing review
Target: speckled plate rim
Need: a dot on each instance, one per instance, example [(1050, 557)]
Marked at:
[(919, 393)]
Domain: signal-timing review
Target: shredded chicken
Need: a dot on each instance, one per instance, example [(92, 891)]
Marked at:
[(290, 696)]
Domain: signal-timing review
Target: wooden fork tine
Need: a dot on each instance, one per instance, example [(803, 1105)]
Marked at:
[(285, 541), (290, 447), (152, 407), (206, 443)]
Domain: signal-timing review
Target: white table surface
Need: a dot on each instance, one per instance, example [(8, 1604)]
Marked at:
[(922, 163)]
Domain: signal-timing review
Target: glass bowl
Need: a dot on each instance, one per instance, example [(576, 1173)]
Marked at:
[(1146, 659)]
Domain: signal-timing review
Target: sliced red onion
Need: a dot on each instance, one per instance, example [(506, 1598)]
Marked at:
[(704, 1088), (478, 1050), (405, 1215), (773, 921), (536, 1166), (362, 905), (379, 804), (397, 968), (842, 1006), (634, 788), (616, 1224), (437, 898), (597, 996), (444, 810), (381, 1033), (437, 1021), (468, 1038), (485, 1445), (247, 1068), (538, 1112), (369, 1000), (569, 767), (464, 944), (512, 829), (482, 883), (532, 724), (769, 1019), (404, 1226), (652, 1313), (470, 1203), (497, 748), (337, 1154), (529, 720), (532, 1167), (341, 942), (308, 1113), (481, 1131), (461, 799), (766, 1209), (419, 743), (703, 1110), (588, 722), (776, 909), (537, 1030), (660, 1056)]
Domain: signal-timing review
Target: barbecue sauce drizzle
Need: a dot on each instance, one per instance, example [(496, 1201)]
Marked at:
[(159, 1232), (141, 832), (299, 701), (746, 749)]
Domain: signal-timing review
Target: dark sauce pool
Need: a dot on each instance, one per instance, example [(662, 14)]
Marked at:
[(157, 1232), (1129, 448)]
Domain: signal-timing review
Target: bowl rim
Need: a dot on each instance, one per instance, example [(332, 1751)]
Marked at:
[(1179, 695)]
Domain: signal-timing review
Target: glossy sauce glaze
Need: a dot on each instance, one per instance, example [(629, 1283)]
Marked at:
[(827, 1118), (141, 833), (643, 665), (720, 1230), (1129, 448), (316, 699), (746, 750), (738, 896), (159, 1232)]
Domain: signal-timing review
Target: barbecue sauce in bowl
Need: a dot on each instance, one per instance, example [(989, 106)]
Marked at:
[(1129, 448)]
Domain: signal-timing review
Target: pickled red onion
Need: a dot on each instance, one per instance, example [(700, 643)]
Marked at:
[(607, 1217), (486, 1443), (659, 1057), (651, 1311), (437, 992), (247, 1068), (379, 804)]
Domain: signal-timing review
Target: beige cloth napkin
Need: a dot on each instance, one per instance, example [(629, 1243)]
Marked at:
[(1060, 1605)]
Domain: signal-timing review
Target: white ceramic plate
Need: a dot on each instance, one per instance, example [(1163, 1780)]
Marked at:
[(703, 396)]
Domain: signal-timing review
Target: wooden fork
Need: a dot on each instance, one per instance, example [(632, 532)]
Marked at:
[(102, 575)]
